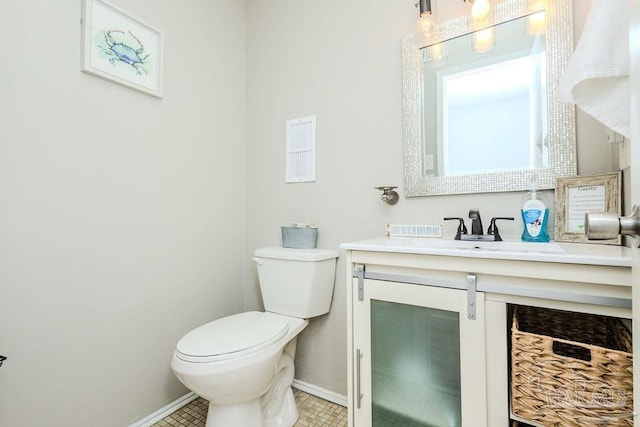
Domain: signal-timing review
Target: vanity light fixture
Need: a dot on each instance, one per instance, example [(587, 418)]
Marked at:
[(481, 19), (427, 31), (536, 22), (427, 25), (483, 40), (484, 37), (435, 55), (480, 11)]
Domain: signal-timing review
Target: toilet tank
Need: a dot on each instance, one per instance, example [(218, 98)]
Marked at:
[(296, 282)]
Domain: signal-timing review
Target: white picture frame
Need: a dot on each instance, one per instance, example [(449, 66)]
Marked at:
[(120, 48)]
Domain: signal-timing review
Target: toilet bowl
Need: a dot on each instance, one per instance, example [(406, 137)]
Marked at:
[(234, 361), (243, 364)]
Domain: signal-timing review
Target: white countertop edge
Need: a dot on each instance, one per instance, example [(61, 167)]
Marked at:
[(574, 253)]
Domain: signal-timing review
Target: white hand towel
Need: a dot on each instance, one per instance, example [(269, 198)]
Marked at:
[(597, 76)]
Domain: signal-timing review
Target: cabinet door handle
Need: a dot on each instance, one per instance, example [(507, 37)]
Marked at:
[(358, 393)]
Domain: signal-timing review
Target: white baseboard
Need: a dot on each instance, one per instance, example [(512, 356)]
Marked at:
[(320, 392), (190, 397), (166, 411)]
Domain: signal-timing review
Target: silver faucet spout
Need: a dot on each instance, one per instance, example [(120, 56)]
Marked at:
[(476, 222)]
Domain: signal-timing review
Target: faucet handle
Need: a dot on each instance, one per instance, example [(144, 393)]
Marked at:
[(493, 228), (462, 229)]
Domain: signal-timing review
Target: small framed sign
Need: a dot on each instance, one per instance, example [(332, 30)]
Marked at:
[(578, 195)]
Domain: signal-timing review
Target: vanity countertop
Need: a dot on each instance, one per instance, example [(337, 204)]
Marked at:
[(558, 252)]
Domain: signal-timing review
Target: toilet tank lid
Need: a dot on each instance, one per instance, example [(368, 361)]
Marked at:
[(277, 252)]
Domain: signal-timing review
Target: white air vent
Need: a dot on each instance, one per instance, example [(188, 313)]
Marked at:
[(301, 149)]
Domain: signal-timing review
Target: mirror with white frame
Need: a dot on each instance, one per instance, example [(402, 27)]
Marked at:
[(489, 122)]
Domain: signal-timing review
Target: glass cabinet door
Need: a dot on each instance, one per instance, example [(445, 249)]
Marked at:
[(415, 366), (420, 359)]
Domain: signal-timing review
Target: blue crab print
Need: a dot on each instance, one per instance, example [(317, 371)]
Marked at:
[(118, 50)]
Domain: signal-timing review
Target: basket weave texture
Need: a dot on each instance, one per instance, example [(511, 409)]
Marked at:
[(570, 369)]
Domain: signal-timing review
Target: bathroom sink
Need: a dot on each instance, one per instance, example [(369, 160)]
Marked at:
[(504, 246), (560, 252), (546, 248)]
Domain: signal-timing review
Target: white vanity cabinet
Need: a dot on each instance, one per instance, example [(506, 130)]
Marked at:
[(428, 329), (418, 351)]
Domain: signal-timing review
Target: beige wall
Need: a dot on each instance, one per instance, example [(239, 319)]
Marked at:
[(341, 61), (122, 216)]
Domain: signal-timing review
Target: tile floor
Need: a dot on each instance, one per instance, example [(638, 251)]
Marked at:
[(313, 412)]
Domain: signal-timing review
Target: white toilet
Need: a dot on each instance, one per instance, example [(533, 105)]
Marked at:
[(243, 364)]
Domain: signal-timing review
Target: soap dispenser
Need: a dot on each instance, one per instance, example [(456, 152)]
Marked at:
[(535, 215)]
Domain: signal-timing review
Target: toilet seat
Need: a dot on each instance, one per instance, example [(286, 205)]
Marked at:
[(231, 336)]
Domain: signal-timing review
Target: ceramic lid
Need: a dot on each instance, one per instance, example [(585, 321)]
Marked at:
[(277, 252), (233, 335)]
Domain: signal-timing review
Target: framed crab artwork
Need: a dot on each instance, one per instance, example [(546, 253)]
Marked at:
[(121, 48)]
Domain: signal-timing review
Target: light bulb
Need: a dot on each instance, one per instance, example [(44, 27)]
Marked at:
[(535, 5), (436, 55), (483, 40), (426, 26), (536, 24), (480, 9)]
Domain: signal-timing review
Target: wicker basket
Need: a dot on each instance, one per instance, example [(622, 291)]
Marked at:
[(570, 369)]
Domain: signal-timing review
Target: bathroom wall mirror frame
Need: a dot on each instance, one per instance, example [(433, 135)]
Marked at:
[(425, 173)]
